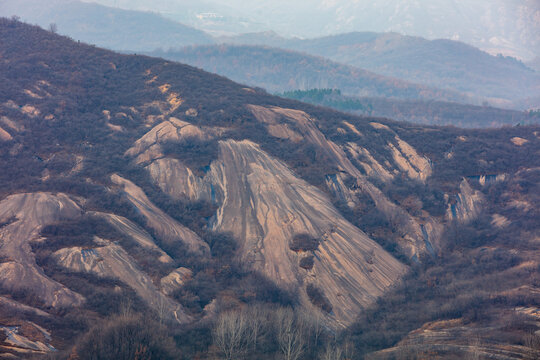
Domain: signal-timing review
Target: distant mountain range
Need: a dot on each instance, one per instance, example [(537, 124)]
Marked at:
[(106, 26), (424, 67), (279, 70), (509, 27), (438, 63)]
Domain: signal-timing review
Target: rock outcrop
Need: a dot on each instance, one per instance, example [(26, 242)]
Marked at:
[(19, 342), (467, 205), (148, 147), (407, 159), (266, 206), (23, 216), (165, 226), (418, 236), (455, 340), (138, 235), (175, 280), (112, 261)]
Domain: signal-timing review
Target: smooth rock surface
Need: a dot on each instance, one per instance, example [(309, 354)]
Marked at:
[(25, 215)]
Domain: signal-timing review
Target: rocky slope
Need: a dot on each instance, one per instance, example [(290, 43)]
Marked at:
[(188, 194)]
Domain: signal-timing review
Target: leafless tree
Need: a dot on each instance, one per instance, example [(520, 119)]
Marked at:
[(126, 307), (315, 326), (290, 333), (474, 352), (53, 28), (258, 319), (532, 341), (232, 334), (161, 309), (348, 349), (332, 352)]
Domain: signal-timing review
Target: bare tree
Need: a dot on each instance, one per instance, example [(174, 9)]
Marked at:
[(348, 349), (474, 349), (162, 309), (532, 341), (257, 316), (290, 333), (126, 307), (315, 326), (53, 28), (332, 352), (232, 334)]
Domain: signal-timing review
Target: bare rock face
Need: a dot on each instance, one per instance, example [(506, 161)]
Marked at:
[(112, 261), (148, 147), (163, 224), (27, 339), (175, 280), (419, 236), (267, 207), (25, 215), (456, 340), (4, 135), (371, 166), (467, 206), (407, 159), (186, 184), (138, 235), (17, 307)]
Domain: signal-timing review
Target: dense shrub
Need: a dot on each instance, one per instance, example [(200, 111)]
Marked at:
[(304, 242), (123, 338)]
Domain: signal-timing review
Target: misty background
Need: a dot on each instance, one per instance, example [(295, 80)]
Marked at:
[(508, 27)]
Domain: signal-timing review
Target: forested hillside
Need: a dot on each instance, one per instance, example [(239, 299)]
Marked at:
[(445, 64), (417, 111), (282, 70)]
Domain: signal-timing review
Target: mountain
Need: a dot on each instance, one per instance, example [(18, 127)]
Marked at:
[(150, 209), (417, 111), (278, 70), (508, 27), (106, 26), (444, 64)]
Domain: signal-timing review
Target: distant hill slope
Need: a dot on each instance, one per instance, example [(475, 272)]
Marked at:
[(509, 27), (140, 188), (417, 111), (279, 70), (443, 64), (106, 26)]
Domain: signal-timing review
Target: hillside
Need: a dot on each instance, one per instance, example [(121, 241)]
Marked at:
[(107, 27), (442, 64), (278, 70), (416, 111), (146, 197)]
